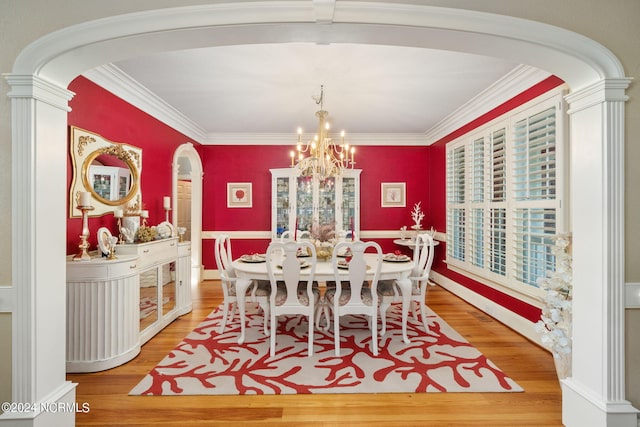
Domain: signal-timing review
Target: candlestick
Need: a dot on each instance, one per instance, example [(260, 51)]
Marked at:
[(167, 202), (293, 154), (83, 254)]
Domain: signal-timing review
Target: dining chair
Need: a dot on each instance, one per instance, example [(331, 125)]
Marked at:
[(390, 293), (289, 235), (354, 297), (291, 292), (256, 292)]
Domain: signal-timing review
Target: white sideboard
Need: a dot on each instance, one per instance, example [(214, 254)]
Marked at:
[(116, 305)]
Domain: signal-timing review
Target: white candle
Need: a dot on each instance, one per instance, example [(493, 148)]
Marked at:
[(167, 202), (85, 198), (144, 214), (118, 213)]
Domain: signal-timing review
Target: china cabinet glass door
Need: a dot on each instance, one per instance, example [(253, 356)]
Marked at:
[(282, 205), (349, 201), (327, 201), (307, 201), (304, 202)]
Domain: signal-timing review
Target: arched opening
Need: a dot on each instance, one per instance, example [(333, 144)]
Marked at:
[(596, 78), (187, 175)]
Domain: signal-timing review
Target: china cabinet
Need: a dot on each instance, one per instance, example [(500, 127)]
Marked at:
[(110, 182), (116, 305), (305, 200)]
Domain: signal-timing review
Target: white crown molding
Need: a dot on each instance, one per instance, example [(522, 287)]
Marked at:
[(124, 86), (513, 83), (395, 139), (119, 83)]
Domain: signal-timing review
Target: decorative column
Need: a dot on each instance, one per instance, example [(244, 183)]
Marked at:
[(39, 147), (595, 393)]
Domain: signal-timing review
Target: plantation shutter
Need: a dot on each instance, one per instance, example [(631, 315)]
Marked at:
[(455, 203), (476, 214), (534, 180)]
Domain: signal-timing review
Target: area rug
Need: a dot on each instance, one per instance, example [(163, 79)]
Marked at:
[(209, 363)]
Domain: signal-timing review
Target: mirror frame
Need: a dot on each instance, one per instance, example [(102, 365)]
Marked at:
[(86, 146)]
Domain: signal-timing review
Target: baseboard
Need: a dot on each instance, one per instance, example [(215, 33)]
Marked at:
[(580, 408), (57, 409), (519, 324)]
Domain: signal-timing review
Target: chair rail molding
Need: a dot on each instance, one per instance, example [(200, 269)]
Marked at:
[(632, 295)]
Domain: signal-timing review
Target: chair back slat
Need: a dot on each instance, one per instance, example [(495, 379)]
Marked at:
[(283, 256)]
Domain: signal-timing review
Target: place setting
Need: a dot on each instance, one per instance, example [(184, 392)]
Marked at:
[(253, 258), (396, 256)]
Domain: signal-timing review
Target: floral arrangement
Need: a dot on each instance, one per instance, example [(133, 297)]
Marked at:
[(323, 237), (323, 233), (146, 233), (555, 321), (417, 215)]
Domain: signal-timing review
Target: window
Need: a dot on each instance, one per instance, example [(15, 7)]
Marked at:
[(505, 196)]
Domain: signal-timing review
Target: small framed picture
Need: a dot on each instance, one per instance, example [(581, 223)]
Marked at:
[(393, 194), (239, 195)]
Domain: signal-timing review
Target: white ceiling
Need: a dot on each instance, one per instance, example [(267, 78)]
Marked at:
[(268, 88)]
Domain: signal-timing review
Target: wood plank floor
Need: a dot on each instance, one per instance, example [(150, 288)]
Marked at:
[(530, 366)]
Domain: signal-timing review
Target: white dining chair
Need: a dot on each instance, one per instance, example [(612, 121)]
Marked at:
[(353, 297), (291, 292), (257, 292), (390, 293)]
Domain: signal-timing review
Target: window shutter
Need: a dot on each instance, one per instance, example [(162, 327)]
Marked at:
[(535, 230), (498, 242), (499, 165), (534, 172), (455, 198), (505, 191)]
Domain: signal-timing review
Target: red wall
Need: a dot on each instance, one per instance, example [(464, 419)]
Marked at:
[(421, 168), (99, 111), (223, 164)]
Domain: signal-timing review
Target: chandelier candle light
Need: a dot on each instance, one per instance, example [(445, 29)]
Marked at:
[(324, 158)]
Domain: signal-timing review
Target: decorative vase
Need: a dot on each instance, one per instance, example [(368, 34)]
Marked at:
[(324, 250), (562, 362)]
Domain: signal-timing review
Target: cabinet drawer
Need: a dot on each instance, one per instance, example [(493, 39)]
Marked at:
[(152, 253)]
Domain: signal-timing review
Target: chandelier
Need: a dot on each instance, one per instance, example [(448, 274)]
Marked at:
[(322, 157)]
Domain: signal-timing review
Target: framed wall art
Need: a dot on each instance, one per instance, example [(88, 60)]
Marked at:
[(239, 195), (393, 194)]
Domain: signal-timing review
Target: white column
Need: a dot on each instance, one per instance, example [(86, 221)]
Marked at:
[(595, 394), (38, 200)]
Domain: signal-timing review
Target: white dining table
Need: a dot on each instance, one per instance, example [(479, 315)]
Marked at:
[(246, 272)]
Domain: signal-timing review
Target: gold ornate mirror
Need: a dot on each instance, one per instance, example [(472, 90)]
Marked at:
[(108, 170)]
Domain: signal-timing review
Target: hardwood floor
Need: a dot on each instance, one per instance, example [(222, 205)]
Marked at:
[(530, 366)]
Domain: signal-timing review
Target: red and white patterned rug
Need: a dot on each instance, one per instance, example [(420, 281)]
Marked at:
[(209, 363)]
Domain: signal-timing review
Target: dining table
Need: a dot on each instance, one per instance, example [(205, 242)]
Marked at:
[(252, 268)]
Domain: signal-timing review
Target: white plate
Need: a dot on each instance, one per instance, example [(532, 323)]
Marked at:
[(396, 258), (104, 240), (254, 258), (165, 230)]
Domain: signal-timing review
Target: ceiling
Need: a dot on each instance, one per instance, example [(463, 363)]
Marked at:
[(269, 88)]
